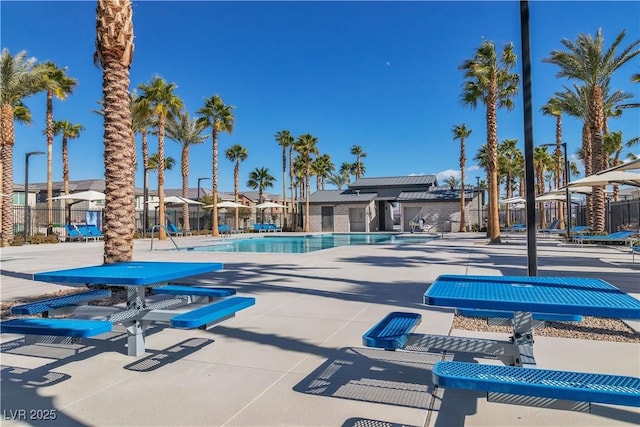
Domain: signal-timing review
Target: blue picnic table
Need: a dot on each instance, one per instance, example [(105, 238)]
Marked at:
[(137, 276), (527, 295)]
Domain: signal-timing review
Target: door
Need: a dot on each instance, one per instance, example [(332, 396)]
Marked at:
[(356, 220), (327, 218)]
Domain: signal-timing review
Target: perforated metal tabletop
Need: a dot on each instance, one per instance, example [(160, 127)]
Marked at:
[(557, 295), (134, 273)]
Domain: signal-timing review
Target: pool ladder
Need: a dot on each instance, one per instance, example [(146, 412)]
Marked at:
[(157, 228)]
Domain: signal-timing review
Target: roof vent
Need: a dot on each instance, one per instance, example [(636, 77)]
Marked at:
[(358, 192)]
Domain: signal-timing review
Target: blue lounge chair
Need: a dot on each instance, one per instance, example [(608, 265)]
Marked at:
[(259, 228), (173, 230), (85, 233), (72, 233), (95, 231), (553, 226), (617, 237), (517, 227), (578, 229), (271, 227)]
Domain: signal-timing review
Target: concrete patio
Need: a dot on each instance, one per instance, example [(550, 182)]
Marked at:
[(296, 357)]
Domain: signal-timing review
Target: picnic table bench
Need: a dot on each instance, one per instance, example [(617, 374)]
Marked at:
[(139, 313)]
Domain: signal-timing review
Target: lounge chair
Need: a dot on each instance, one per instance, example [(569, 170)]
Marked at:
[(72, 233), (95, 231), (271, 227), (517, 228), (173, 230), (617, 237), (259, 228), (635, 250), (553, 226), (85, 233), (578, 229)]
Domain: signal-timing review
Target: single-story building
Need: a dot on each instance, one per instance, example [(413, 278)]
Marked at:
[(405, 203)]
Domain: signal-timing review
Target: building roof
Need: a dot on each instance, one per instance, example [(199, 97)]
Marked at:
[(397, 181), (436, 194), (340, 196)]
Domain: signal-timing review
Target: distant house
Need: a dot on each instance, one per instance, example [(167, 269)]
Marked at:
[(368, 204)]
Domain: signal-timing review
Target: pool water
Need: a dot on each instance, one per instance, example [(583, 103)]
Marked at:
[(309, 243)]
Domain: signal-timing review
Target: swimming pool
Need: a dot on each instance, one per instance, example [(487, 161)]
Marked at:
[(309, 243)]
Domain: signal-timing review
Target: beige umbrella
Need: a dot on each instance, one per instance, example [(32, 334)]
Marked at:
[(632, 165), (606, 178), (227, 204), (267, 205), (89, 195), (181, 200)]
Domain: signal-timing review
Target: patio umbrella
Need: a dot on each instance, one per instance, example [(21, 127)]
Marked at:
[(181, 200), (512, 200), (266, 205), (227, 204), (89, 195), (632, 165), (606, 178)]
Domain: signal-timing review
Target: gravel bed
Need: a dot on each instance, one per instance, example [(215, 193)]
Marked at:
[(591, 328)]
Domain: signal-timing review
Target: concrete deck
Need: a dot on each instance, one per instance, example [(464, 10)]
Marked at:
[(296, 357)]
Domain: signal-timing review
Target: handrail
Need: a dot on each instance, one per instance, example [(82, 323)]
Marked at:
[(157, 227)]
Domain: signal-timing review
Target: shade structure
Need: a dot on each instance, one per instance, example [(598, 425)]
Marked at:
[(632, 165), (606, 178), (89, 195), (227, 204), (181, 200), (512, 200), (267, 205), (553, 196)]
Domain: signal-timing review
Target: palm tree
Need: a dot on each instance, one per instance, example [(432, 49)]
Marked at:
[(114, 52), (347, 169), (462, 133), (357, 151), (219, 117), (554, 108), (68, 131), (542, 163), (510, 165), (338, 179), (19, 79), (141, 121), (322, 167), (164, 103), (55, 82), (451, 181), (306, 146), (285, 140), (237, 153), (587, 61), (187, 132), (260, 179), (489, 80)]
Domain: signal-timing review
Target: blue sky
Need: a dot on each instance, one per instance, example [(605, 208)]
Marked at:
[(382, 75)]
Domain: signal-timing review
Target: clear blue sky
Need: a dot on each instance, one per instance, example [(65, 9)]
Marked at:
[(382, 75)]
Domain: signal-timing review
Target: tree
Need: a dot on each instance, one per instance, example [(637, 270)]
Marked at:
[(510, 165), (338, 179), (164, 104), (306, 146), (260, 179), (68, 131), (451, 181), (114, 52), (542, 162), (322, 167), (357, 151), (285, 140), (219, 117), (55, 82), (237, 153), (141, 121), (462, 133), (19, 79), (489, 80), (346, 169), (186, 131), (586, 60)]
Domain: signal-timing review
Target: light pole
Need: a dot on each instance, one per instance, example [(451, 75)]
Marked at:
[(198, 198), (479, 208), (26, 193), (567, 196)]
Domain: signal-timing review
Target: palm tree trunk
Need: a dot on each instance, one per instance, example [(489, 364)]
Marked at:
[(492, 152), (214, 210), (49, 123), (307, 179), (118, 163), (596, 115), (162, 233), (186, 223), (236, 189), (65, 164), (463, 224), (6, 152), (291, 181), (284, 184)]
